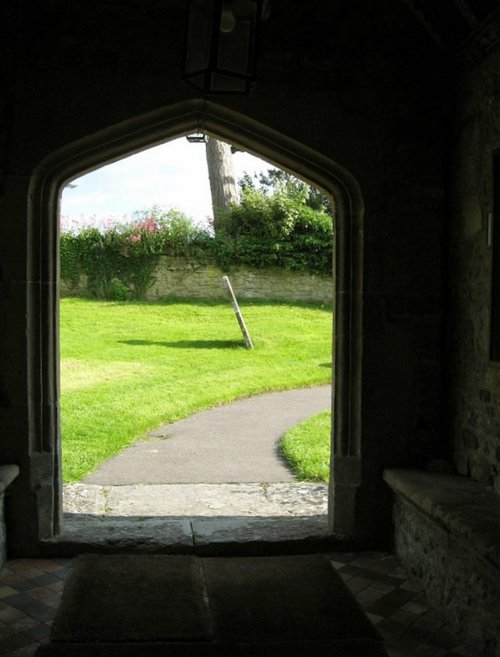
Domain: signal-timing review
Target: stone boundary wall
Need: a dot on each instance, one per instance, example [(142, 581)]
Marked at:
[(188, 279)]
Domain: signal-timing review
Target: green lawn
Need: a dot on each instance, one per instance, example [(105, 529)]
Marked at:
[(307, 447), (127, 367)]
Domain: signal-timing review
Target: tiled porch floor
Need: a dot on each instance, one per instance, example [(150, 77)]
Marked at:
[(30, 592)]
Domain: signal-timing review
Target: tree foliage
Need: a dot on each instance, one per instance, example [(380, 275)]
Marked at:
[(273, 179)]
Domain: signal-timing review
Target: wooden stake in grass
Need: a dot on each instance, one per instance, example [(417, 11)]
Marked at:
[(237, 312)]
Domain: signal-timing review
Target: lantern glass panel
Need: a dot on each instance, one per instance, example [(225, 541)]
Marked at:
[(217, 60), (234, 49), (199, 36)]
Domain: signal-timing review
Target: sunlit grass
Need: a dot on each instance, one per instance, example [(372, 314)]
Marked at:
[(128, 367), (306, 447)]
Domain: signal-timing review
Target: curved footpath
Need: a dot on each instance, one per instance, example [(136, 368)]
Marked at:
[(223, 461)]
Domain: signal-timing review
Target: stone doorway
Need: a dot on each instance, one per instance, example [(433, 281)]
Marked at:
[(133, 136)]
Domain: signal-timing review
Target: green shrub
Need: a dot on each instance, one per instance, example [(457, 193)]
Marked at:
[(277, 229), (176, 234)]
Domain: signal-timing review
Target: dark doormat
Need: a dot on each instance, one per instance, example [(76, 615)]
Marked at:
[(187, 606)]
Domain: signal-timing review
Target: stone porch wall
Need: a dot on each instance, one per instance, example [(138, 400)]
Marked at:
[(188, 279), (474, 377), (447, 535)]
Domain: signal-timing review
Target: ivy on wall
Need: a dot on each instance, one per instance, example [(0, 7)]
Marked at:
[(119, 260)]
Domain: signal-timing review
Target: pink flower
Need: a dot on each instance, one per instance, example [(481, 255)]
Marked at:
[(148, 225), (135, 238)]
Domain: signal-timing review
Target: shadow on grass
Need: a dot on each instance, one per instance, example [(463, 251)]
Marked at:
[(188, 344)]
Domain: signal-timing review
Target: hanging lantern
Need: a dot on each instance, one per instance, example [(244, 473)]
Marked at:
[(220, 45)]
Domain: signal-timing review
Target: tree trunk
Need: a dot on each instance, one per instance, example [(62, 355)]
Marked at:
[(222, 178)]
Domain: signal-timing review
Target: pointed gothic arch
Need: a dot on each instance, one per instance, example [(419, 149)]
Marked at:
[(135, 135)]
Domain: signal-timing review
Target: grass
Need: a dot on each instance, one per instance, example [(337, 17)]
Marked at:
[(128, 367), (306, 447)]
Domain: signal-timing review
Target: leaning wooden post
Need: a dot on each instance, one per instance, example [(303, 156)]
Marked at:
[(237, 312)]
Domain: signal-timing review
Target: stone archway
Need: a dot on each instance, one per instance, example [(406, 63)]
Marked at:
[(133, 136)]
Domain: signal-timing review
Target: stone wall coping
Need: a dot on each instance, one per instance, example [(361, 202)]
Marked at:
[(464, 507), (7, 475)]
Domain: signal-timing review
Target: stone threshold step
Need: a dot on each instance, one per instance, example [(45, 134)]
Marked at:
[(213, 535)]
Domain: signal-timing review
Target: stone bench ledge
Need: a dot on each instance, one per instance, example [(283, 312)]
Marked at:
[(465, 508), (7, 475)]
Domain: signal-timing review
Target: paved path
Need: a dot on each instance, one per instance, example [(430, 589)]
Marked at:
[(233, 443)]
